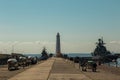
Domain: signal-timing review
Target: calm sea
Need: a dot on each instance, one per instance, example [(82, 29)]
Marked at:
[(79, 55), (76, 55), (35, 55)]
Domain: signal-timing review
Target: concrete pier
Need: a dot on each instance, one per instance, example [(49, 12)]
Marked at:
[(60, 69), (52, 69), (38, 72), (63, 70)]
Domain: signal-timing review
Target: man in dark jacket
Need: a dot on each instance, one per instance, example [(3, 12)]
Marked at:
[(94, 66)]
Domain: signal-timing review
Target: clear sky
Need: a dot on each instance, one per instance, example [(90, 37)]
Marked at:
[(29, 25)]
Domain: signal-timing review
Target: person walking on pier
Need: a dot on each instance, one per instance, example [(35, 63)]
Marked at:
[(94, 66), (84, 65)]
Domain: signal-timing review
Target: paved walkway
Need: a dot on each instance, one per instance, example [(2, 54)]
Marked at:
[(38, 72), (52, 69), (63, 70)]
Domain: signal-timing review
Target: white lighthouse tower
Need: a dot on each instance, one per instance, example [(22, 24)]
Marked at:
[(58, 47)]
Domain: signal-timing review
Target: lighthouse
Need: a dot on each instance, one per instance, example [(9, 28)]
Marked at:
[(58, 46)]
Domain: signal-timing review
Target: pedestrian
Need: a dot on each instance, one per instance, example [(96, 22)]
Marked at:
[(84, 66), (94, 66)]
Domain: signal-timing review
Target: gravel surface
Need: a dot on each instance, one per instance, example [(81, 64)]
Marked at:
[(5, 73), (104, 72)]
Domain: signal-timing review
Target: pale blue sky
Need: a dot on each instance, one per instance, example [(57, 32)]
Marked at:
[(80, 23)]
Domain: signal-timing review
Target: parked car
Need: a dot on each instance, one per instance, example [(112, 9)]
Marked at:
[(12, 64), (89, 64)]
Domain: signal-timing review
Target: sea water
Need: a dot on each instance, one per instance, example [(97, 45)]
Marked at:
[(33, 54), (79, 55), (114, 64)]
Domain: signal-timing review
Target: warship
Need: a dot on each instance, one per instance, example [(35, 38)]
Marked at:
[(101, 54)]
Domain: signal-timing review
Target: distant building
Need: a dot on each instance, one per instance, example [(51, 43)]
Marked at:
[(58, 46)]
